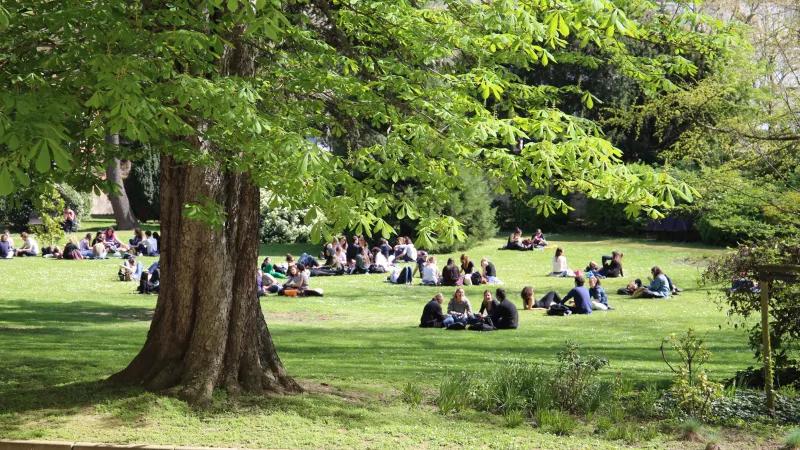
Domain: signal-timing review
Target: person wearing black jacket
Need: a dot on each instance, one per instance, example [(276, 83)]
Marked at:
[(432, 316), (450, 273), (505, 315), (612, 266), (353, 249)]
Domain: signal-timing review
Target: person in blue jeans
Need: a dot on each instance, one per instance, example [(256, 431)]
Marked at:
[(659, 285), (580, 295), (597, 292), (459, 309)]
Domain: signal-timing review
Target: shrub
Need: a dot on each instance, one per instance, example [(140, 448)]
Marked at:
[(143, 186), (454, 393), (784, 310), (630, 432), (80, 202), (574, 384), (689, 430), (556, 422), (15, 211), (49, 206), (792, 441), (513, 418), (692, 389), (607, 217), (283, 225), (411, 394)]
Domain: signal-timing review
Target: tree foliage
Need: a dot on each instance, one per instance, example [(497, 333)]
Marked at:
[(436, 81), (743, 303)]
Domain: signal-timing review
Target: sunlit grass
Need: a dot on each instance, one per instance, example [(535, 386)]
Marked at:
[(65, 325)]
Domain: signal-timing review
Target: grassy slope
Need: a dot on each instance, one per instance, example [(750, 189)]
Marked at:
[(66, 325)]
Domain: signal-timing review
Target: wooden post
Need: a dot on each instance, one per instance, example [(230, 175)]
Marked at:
[(763, 285)]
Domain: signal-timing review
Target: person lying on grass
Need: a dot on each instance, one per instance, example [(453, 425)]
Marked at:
[(530, 303)]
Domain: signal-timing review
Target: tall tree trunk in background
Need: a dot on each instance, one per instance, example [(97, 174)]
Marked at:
[(119, 203), (208, 329)]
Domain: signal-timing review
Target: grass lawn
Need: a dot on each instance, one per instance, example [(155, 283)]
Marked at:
[(67, 325)]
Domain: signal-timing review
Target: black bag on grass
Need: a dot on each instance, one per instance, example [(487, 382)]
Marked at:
[(558, 310)]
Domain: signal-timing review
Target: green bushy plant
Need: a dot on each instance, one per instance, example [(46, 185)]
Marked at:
[(49, 206), (143, 186), (454, 393), (607, 217), (792, 441), (575, 385), (556, 422), (15, 211), (691, 388), (283, 225), (412, 394), (513, 418)]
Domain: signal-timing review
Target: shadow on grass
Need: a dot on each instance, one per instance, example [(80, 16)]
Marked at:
[(27, 312)]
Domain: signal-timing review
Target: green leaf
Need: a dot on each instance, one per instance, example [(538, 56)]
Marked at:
[(22, 177), (61, 157), (6, 184), (43, 161), (233, 5)]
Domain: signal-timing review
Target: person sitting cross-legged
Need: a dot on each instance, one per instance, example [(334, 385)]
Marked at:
[(580, 296), (29, 246), (432, 315), (505, 315)]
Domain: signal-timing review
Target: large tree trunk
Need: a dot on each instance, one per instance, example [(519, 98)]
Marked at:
[(119, 203), (208, 329)]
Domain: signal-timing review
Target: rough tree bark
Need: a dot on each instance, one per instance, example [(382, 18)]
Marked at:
[(208, 329), (119, 203)]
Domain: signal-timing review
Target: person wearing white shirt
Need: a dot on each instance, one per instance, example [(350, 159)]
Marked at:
[(560, 265), (29, 246), (430, 273)]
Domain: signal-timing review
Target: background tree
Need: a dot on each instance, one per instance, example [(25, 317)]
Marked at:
[(142, 186), (232, 93)]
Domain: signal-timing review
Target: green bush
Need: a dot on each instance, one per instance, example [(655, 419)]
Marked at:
[(556, 422), (49, 206), (792, 441), (411, 394), (143, 186), (15, 211), (283, 225), (607, 217), (80, 202), (454, 393)]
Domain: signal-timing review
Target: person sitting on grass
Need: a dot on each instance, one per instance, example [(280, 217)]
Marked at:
[(450, 273), (430, 272), (379, 259), (29, 246), (137, 238), (560, 265), (538, 240), (505, 315), (529, 302), (404, 250), (598, 295), (150, 244), (659, 285), (359, 265), (432, 315), (10, 238), (266, 283), (71, 250), (489, 272), (515, 241), (113, 242), (459, 309), (85, 246), (130, 270), (580, 297), (297, 279), (386, 249), (612, 265), (269, 268), (488, 304), (6, 251), (353, 249)]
